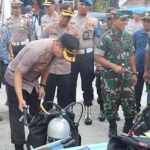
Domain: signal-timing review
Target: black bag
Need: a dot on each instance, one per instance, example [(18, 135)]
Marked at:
[(38, 127), (122, 142)]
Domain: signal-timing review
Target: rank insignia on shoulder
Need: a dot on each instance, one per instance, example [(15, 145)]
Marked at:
[(90, 22), (69, 31)]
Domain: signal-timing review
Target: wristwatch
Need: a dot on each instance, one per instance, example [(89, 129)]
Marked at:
[(44, 85), (12, 55), (135, 73)]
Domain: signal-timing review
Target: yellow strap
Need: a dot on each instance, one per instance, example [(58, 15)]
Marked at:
[(43, 109)]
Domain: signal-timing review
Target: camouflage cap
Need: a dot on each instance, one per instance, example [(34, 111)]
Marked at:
[(121, 14), (146, 15)]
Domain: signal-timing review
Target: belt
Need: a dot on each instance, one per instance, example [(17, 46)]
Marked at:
[(20, 43), (84, 51)]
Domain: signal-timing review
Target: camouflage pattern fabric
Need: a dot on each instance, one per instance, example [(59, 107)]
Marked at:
[(121, 14), (116, 88)]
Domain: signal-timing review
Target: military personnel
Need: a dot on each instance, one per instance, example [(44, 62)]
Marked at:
[(135, 23), (115, 52), (89, 33), (19, 27), (60, 70), (51, 16), (22, 76)]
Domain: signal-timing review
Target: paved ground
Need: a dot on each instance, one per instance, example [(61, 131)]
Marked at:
[(95, 133)]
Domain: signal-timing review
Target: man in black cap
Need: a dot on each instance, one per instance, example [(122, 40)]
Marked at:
[(60, 70), (22, 76)]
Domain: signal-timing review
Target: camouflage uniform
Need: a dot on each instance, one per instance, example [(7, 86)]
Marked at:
[(116, 48)]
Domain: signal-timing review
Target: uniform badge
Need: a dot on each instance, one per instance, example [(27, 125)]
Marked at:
[(69, 9), (36, 70), (53, 30), (47, 55), (40, 67), (85, 35), (69, 31)]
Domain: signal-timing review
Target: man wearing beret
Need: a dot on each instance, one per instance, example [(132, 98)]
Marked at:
[(89, 33), (115, 53), (22, 76), (141, 38), (51, 16), (60, 70), (135, 23)]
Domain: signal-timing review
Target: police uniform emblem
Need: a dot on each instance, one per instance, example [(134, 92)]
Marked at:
[(69, 9), (74, 50)]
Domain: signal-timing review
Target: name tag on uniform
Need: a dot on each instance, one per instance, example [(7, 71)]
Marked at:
[(85, 35)]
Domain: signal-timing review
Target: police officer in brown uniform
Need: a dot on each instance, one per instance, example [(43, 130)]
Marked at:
[(19, 27), (60, 70), (22, 76), (51, 15), (89, 32)]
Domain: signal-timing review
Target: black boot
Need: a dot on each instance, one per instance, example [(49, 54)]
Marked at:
[(112, 128), (118, 117), (19, 147), (127, 125), (101, 116), (88, 119)]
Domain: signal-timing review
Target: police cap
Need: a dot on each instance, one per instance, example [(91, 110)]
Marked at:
[(120, 14), (67, 9), (15, 3), (109, 11), (146, 15), (89, 2), (48, 3), (70, 44)]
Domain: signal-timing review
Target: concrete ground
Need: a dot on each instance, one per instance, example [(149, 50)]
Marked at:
[(92, 134)]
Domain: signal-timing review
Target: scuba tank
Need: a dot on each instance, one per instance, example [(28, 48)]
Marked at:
[(58, 128)]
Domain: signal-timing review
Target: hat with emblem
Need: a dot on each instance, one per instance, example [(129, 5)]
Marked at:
[(67, 9), (89, 2), (138, 11), (109, 11), (70, 44), (48, 2), (146, 15), (15, 3), (121, 14)]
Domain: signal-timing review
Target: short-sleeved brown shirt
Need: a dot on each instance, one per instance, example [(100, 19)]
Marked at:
[(53, 31), (31, 61)]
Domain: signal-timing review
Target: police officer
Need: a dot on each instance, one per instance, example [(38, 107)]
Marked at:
[(19, 27), (60, 70), (51, 16), (115, 52), (22, 76), (89, 32), (104, 28), (135, 23)]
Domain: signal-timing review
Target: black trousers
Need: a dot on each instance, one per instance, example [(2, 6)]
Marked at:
[(63, 85), (98, 87), (138, 90), (17, 49), (17, 127), (84, 65)]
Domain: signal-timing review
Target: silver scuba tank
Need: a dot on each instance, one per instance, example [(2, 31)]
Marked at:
[(58, 128)]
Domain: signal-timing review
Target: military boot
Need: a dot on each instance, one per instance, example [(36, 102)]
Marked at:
[(101, 116), (112, 128), (127, 125), (19, 147), (88, 119)]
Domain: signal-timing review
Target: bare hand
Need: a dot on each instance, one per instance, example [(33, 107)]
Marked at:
[(41, 92), (118, 69), (11, 58), (100, 68), (134, 80), (22, 104), (145, 76)]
